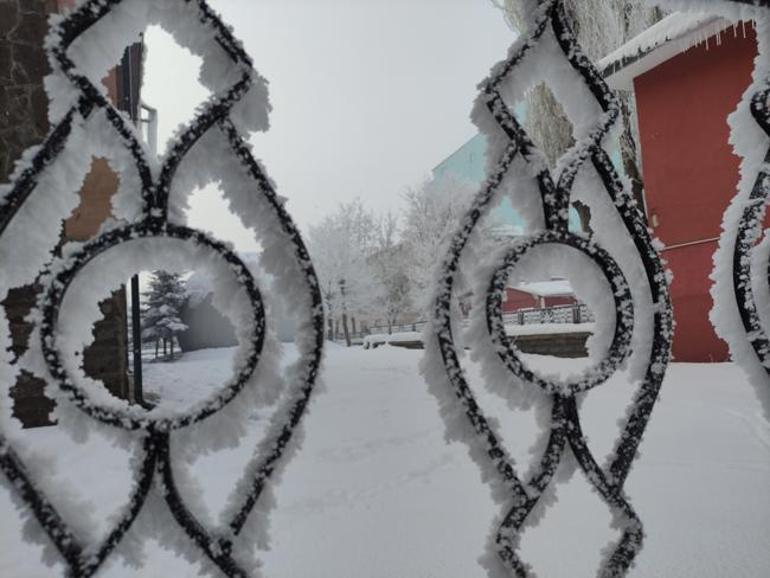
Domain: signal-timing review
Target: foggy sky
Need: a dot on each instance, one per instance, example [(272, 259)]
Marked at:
[(368, 95)]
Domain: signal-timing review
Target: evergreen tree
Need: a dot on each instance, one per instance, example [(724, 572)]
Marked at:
[(161, 320)]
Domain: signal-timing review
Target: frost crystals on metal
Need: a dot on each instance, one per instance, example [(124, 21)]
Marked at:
[(217, 123), (635, 281)]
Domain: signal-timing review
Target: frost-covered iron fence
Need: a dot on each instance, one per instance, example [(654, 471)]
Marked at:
[(149, 232), (616, 271), (741, 291)]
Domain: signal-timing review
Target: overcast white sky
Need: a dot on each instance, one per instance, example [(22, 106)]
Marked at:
[(368, 95)]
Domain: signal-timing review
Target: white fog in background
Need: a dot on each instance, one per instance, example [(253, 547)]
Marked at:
[(368, 95)]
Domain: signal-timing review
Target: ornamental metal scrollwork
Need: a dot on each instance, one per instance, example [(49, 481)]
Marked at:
[(154, 223), (635, 285)]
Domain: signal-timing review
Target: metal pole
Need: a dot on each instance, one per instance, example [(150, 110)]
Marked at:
[(136, 333), (127, 104)]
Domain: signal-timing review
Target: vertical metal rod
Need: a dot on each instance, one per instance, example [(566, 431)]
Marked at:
[(136, 333), (126, 100), (127, 104)]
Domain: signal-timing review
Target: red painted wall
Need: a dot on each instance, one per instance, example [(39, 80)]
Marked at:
[(516, 300), (690, 172), (556, 301)]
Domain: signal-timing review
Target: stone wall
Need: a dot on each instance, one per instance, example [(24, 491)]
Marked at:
[(106, 358), (23, 123), (556, 344), (23, 102)]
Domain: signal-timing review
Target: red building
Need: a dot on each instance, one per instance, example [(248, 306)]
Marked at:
[(538, 295), (688, 73)]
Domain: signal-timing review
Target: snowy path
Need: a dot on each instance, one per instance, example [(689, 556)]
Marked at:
[(376, 493)]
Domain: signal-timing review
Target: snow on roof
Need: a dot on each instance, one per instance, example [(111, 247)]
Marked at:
[(553, 288), (676, 33)]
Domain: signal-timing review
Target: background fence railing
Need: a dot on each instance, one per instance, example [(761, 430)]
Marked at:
[(578, 313)]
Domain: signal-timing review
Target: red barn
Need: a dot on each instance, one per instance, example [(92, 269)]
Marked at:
[(688, 73)]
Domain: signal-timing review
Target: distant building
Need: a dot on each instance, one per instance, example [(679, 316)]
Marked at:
[(688, 73), (469, 163), (207, 327), (538, 295)]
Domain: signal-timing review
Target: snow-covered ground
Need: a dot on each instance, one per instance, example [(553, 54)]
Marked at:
[(548, 328), (376, 493), (377, 339), (179, 384)]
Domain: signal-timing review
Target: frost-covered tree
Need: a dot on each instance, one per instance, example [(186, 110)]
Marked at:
[(433, 211), (390, 265), (340, 246), (161, 321), (601, 27)]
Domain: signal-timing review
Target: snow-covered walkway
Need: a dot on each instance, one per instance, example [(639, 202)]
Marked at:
[(375, 492)]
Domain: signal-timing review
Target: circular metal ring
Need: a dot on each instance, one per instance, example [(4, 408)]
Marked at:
[(620, 347), (135, 417)]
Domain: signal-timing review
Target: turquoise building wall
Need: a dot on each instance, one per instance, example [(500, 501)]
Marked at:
[(468, 163)]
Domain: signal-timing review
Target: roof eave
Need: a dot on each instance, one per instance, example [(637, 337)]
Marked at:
[(620, 74)]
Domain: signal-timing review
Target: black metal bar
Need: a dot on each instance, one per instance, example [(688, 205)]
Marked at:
[(125, 100), (84, 560), (136, 334), (757, 3), (127, 103), (552, 22)]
